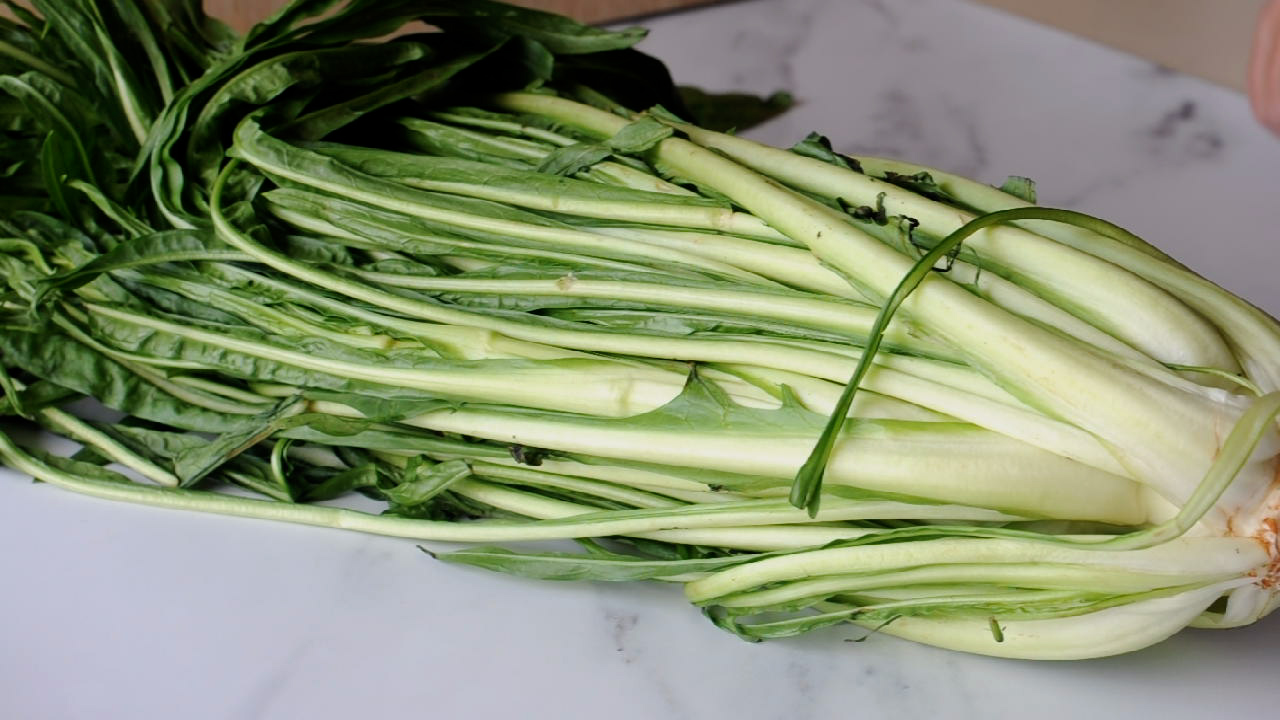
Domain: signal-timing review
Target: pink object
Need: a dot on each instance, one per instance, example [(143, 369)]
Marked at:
[(1264, 70)]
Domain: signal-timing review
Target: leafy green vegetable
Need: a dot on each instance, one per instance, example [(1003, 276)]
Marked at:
[(510, 283)]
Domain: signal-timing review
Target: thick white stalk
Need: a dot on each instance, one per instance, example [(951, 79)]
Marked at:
[(712, 218), (759, 539), (1110, 631), (1234, 557), (943, 462)]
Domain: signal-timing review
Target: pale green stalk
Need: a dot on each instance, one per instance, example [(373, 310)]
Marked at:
[(791, 266), (607, 491), (504, 126), (135, 114), (743, 513), (311, 222), (761, 539), (942, 462), (1013, 575), (820, 395), (262, 315), (596, 387), (218, 388), (1109, 631), (805, 311), (655, 212), (766, 538), (1234, 557), (36, 63), (64, 422)]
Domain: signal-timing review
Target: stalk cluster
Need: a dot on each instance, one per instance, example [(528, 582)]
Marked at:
[(510, 282)]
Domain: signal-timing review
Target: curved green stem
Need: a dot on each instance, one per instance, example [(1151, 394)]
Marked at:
[(808, 483)]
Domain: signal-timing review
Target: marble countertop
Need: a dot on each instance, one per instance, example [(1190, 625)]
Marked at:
[(116, 611)]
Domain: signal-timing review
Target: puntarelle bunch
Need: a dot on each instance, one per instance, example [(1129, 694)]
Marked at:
[(504, 277)]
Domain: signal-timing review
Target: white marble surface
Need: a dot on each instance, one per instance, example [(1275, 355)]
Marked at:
[(112, 611)]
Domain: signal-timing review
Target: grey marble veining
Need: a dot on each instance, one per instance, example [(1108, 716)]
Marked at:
[(112, 611)]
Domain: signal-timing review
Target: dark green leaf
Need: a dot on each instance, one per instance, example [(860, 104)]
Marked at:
[(40, 393), (574, 158), (573, 566), (76, 467), (342, 483), (559, 34), (921, 183), (417, 83), (818, 147), (640, 136), (732, 112), (54, 356), (160, 247), (1023, 188), (423, 481), (194, 463)]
